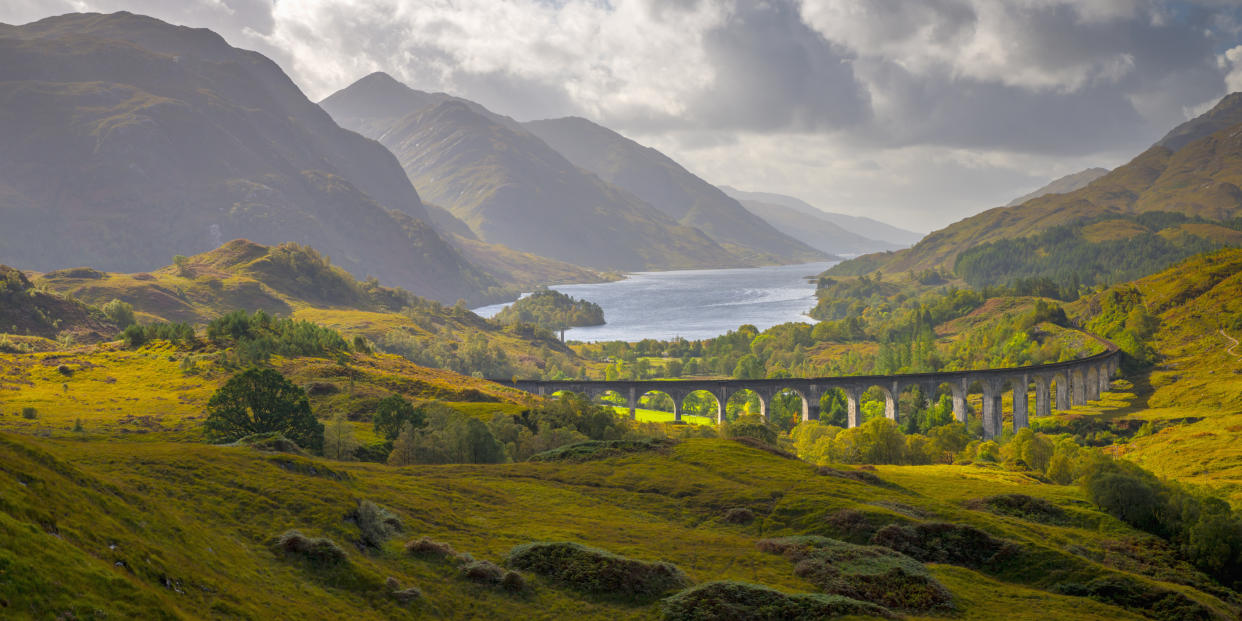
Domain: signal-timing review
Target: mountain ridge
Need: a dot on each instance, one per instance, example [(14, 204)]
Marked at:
[(501, 181), (119, 155), (666, 185)]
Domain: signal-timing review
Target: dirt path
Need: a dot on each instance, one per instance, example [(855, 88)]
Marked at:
[(1231, 347)]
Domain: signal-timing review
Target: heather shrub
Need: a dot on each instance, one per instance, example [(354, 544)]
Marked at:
[(318, 551), (730, 601), (597, 572), (868, 573)]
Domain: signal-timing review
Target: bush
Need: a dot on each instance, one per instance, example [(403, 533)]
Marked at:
[(869, 573), (942, 542), (485, 572), (376, 523), (600, 449), (1025, 507), (403, 596), (739, 515), (597, 572), (318, 550), (762, 432), (729, 601), (431, 549), (121, 313), (261, 401), (30, 413), (273, 442), (1129, 593)]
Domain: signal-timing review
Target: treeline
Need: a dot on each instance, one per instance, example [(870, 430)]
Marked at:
[(552, 310), (251, 338), (1063, 261), (433, 433)]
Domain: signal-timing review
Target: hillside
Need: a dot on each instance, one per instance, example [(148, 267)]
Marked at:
[(1190, 315), (27, 311), (814, 230), (129, 140), (512, 189), (1199, 180), (859, 225), (667, 186), (298, 282), (84, 531), (1068, 183)]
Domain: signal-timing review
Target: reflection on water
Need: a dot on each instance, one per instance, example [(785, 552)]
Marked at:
[(693, 304)]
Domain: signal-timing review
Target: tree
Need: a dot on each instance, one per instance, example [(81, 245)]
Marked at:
[(338, 439), (403, 448), (183, 264), (121, 313), (392, 414), (261, 401)]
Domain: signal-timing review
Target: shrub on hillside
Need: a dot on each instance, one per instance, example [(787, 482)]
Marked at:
[(30, 413), (121, 313), (739, 515), (600, 449), (1023, 506), (319, 551), (430, 549), (869, 573), (756, 430), (273, 441), (942, 542), (729, 601), (1153, 601), (597, 572), (376, 523)]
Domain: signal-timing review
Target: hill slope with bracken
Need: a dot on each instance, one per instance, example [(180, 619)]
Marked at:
[(666, 185), (129, 140), (511, 188), (296, 281), (1198, 180)]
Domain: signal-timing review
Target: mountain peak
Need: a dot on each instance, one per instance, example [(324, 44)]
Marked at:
[(1226, 113)]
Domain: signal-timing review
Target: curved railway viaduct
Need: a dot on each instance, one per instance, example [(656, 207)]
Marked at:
[(1071, 383)]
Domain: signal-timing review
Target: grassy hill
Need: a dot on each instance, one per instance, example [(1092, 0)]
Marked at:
[(1190, 396), (1199, 179), (296, 281), (192, 532)]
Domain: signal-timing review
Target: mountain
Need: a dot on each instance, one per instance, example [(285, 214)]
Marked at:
[(1198, 184), (129, 140), (816, 231), (511, 188), (666, 185), (1226, 113), (1068, 183), (859, 225)]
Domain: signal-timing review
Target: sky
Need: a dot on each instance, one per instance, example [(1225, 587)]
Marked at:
[(915, 112)]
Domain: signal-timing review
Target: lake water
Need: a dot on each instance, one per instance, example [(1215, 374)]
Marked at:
[(693, 304)]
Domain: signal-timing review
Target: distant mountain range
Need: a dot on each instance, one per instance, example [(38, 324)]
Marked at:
[(128, 140), (860, 234), (669, 187), (508, 185), (1194, 173)]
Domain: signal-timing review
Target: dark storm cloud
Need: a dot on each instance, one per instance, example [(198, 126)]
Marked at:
[(773, 73)]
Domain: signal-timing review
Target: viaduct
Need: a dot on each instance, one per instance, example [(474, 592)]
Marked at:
[(1072, 382)]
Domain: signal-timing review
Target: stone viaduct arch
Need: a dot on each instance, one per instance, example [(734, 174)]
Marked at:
[(1075, 382)]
